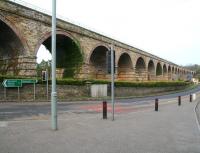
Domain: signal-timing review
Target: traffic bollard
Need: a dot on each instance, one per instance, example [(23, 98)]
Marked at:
[(104, 110), (190, 97), (156, 104), (179, 100)]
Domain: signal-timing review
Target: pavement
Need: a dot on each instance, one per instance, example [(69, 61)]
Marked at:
[(173, 129)]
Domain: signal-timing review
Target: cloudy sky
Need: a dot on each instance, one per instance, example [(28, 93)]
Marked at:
[(169, 29)]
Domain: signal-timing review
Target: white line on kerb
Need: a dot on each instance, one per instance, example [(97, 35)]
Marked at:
[(196, 115), (3, 124)]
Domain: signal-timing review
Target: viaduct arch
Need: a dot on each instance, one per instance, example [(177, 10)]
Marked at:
[(81, 53)]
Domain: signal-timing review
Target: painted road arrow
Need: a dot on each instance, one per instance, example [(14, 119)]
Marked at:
[(12, 83)]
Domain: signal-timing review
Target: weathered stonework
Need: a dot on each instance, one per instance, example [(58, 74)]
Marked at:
[(72, 92), (31, 28)]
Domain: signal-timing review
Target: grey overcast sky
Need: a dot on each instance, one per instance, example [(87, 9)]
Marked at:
[(169, 29)]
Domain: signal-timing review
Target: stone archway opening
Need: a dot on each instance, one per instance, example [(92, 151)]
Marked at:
[(98, 63), (159, 71), (68, 56), (125, 67), (165, 76), (11, 48), (140, 70), (151, 70), (169, 73), (175, 71), (172, 70)]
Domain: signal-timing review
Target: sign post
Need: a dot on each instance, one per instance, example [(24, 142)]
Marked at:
[(17, 83), (18, 94), (31, 81), (5, 93), (12, 83)]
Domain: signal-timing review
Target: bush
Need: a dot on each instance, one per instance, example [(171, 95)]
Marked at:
[(150, 84), (70, 81)]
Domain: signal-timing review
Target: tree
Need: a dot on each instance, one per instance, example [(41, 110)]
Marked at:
[(43, 66)]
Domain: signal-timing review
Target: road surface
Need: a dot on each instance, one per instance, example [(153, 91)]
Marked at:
[(10, 111)]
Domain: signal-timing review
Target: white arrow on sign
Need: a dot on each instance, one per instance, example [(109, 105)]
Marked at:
[(4, 83)]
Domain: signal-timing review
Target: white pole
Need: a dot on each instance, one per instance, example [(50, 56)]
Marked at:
[(112, 82), (34, 91), (54, 93), (47, 79)]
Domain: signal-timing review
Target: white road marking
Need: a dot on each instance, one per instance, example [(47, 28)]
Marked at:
[(3, 124)]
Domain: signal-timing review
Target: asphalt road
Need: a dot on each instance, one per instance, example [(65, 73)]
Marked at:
[(10, 111)]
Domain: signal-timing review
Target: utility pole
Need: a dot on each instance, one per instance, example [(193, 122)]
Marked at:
[(54, 93), (112, 82)]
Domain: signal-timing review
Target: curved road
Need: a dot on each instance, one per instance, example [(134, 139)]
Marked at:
[(10, 111)]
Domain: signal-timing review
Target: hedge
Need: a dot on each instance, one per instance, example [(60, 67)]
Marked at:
[(123, 83), (69, 81)]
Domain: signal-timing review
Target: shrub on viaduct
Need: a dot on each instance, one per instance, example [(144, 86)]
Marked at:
[(81, 53)]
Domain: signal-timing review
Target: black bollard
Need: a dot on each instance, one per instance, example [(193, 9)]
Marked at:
[(179, 100), (156, 104), (104, 110), (190, 97)]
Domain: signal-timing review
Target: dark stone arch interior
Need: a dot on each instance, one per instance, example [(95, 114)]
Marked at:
[(159, 69), (140, 65), (125, 61), (125, 67), (10, 48), (173, 70), (164, 69), (98, 57), (98, 62), (151, 67), (68, 54), (151, 70), (169, 69)]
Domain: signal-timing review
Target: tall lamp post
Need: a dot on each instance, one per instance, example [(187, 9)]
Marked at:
[(112, 82), (53, 50)]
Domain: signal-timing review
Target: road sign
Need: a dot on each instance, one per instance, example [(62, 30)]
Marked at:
[(28, 81), (12, 83)]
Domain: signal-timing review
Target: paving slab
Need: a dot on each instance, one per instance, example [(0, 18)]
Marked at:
[(173, 129)]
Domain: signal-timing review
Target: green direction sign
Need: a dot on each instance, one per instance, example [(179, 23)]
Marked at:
[(27, 81), (12, 83)]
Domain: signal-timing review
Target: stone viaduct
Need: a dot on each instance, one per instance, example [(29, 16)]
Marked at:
[(81, 53)]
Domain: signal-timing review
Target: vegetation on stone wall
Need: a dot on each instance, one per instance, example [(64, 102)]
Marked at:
[(123, 83), (72, 60), (43, 66), (152, 84), (77, 82)]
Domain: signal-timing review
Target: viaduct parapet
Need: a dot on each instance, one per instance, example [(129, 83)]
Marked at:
[(81, 53)]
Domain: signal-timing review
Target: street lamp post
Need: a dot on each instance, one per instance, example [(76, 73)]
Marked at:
[(112, 82), (53, 93)]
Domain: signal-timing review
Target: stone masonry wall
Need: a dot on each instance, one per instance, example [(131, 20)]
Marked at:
[(70, 92)]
